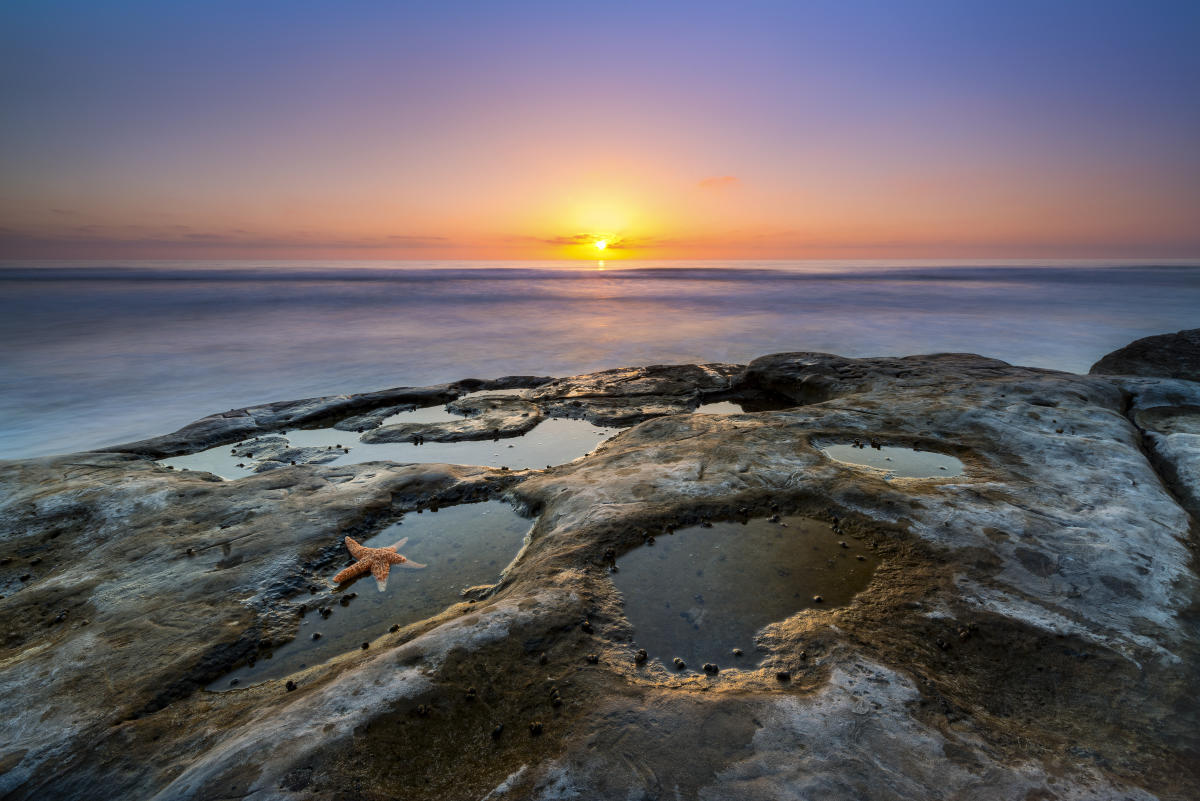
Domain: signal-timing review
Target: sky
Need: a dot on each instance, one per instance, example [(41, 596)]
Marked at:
[(531, 130)]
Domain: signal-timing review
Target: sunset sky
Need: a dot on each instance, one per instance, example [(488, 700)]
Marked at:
[(452, 130)]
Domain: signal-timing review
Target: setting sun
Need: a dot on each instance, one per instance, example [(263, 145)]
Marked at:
[(601, 244)]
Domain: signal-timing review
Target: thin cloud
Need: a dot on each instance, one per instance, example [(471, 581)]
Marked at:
[(612, 241), (719, 183), (573, 239), (139, 237)]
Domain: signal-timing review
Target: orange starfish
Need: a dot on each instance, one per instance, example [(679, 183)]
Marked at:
[(378, 561)]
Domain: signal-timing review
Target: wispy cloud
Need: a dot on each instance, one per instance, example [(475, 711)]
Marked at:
[(573, 239), (613, 241), (141, 238), (719, 183)]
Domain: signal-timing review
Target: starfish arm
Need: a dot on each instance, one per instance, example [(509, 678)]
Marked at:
[(398, 545), (412, 564), (380, 570), (394, 558), (356, 550), (355, 570)]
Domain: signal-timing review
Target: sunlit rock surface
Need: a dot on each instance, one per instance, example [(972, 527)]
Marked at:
[(1030, 631)]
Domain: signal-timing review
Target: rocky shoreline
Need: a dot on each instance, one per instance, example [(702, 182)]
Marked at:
[(1032, 630)]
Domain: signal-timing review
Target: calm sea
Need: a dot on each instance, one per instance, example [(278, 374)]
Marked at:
[(97, 354)]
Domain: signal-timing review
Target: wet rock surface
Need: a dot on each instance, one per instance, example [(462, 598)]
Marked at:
[(487, 417), (1030, 630), (630, 395), (273, 451)]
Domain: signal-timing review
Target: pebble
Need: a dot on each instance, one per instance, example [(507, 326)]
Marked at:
[(25, 577), (496, 732), (592, 659), (291, 685), (587, 626), (679, 663), (818, 599), (366, 645), (471, 693), (710, 668), (191, 551), (843, 544), (316, 635), (737, 651), (784, 675), (861, 558), (535, 728), (394, 628), (640, 656), (543, 659)]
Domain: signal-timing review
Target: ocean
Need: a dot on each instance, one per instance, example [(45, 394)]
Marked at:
[(99, 354)]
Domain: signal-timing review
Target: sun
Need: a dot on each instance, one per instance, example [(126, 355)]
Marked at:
[(601, 244)]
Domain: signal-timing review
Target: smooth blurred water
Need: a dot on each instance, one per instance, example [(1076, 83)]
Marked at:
[(94, 355)]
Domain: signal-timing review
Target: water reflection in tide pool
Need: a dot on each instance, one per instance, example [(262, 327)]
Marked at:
[(702, 592), (746, 405), (554, 441), (897, 462), (462, 546), (441, 414)]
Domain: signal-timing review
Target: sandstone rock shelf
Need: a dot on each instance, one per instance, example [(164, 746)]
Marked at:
[(1030, 630)]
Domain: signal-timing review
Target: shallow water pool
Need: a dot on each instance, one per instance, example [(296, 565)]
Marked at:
[(702, 592), (746, 404), (554, 441), (897, 462), (440, 414), (461, 546)]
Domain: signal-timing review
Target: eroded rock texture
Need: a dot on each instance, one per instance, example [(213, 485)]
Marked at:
[(1165, 355), (1030, 633)]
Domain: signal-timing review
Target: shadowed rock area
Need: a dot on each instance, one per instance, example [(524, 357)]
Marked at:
[(1165, 355), (1031, 630)]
